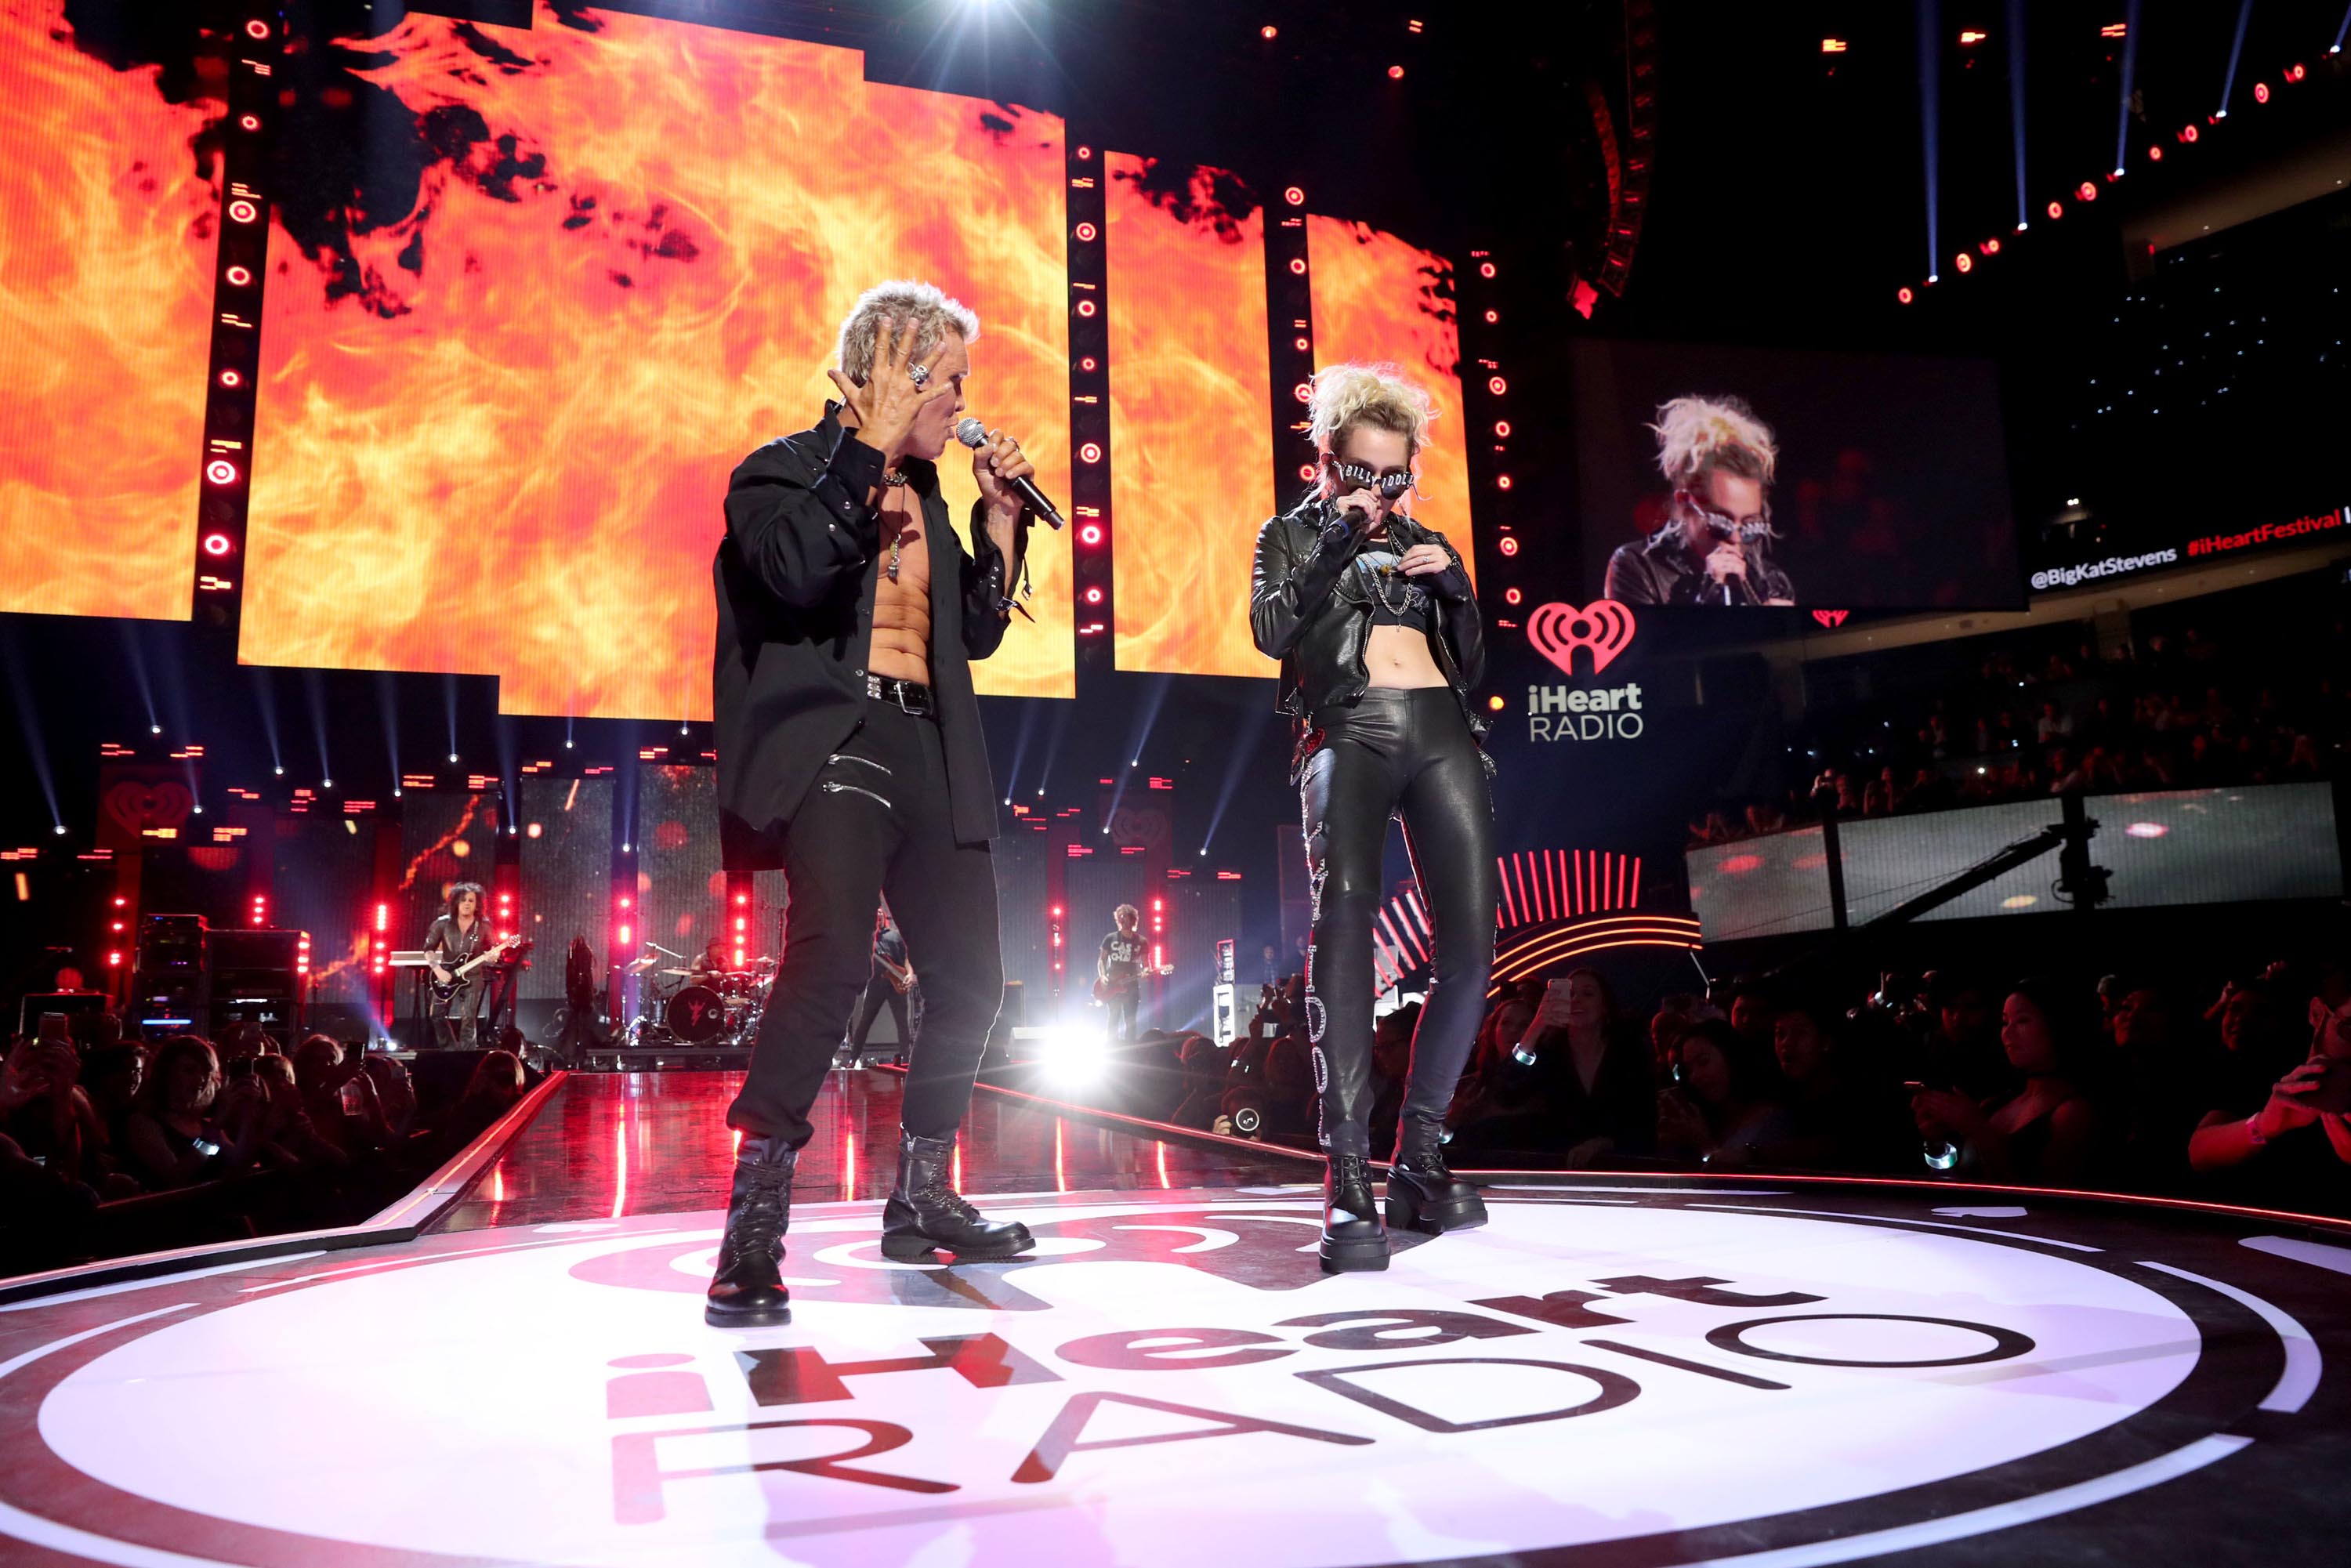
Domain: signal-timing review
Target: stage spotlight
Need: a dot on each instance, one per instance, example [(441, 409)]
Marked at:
[(154, 729), (61, 830), (1963, 262), (1293, 195), (1203, 849), (1509, 546), (1093, 596), (2188, 133), (1090, 534), (1501, 430), (1991, 247), (1494, 704), (1072, 1053), (280, 772), (2155, 154), (1501, 481), (452, 757), (2085, 191), (326, 783), (2056, 209), (1269, 31), (1512, 596), (1903, 295), (1396, 73), (2261, 92)]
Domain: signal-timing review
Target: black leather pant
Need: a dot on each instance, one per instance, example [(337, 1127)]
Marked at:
[(876, 822), (1405, 752)]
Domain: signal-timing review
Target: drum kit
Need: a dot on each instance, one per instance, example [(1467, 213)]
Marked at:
[(716, 1009)]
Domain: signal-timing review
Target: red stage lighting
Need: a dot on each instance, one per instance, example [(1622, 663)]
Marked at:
[(1301, 344), (2086, 192), (1485, 269), (1269, 31), (1087, 363), (2056, 209), (1093, 596), (1989, 247), (216, 543), (1494, 704), (2188, 133), (243, 212), (1293, 195), (1086, 231), (1091, 451), (2293, 73), (1496, 385), (1903, 295), (1090, 534), (1492, 317), (1501, 481), (2155, 154), (1508, 545), (2261, 92), (249, 122), (231, 379), (1964, 262), (1085, 307), (1298, 265), (1396, 73), (1306, 470), (240, 275), (1501, 429), (221, 471), (1512, 596), (257, 28)]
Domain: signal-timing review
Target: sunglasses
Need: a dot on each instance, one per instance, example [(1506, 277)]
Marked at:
[(1390, 485)]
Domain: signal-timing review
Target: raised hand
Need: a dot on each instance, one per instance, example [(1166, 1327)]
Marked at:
[(888, 401), (995, 466)]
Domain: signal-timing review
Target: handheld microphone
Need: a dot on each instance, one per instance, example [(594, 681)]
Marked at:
[(974, 435)]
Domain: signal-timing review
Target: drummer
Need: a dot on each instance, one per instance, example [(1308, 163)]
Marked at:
[(710, 964)]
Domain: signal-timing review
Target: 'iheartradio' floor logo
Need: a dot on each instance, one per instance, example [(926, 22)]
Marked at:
[(1603, 627)]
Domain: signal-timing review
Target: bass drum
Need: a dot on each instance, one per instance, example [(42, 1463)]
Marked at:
[(697, 1015)]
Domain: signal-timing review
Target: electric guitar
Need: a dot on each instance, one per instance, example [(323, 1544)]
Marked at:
[(1110, 987), (442, 991), (902, 976)]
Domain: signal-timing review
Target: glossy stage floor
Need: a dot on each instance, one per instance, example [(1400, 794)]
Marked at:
[(1621, 1372)]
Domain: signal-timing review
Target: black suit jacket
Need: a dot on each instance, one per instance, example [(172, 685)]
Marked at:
[(795, 577)]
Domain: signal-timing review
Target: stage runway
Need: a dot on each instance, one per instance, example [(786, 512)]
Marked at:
[(1621, 1372)]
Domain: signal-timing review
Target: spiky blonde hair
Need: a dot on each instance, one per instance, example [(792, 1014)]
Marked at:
[(1697, 436), (1346, 396), (902, 300)]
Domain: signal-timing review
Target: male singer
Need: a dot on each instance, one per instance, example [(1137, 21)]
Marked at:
[(849, 754)]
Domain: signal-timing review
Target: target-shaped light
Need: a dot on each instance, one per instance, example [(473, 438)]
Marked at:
[(221, 471), (243, 211)]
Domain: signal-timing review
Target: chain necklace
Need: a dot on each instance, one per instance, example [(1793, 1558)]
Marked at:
[(892, 479), (1379, 573)]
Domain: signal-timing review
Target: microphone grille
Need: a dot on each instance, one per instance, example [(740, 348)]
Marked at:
[(971, 432)]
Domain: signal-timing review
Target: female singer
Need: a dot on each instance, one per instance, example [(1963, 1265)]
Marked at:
[(1376, 627)]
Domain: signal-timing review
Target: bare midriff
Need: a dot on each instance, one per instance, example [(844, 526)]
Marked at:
[(1398, 657), (901, 610)]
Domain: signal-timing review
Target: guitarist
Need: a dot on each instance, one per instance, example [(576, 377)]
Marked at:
[(457, 934), (892, 978), (1118, 971)]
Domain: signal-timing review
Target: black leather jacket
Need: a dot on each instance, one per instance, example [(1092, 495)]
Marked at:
[(1308, 611)]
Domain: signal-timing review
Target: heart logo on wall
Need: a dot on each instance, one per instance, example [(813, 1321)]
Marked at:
[(1603, 627), (138, 807)]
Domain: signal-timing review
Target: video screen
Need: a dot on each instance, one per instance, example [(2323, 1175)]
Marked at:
[(2242, 845), (110, 198), (1183, 253), (509, 358), (566, 875), (1731, 478)]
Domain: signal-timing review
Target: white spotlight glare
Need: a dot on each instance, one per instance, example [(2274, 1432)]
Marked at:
[(279, 771), (327, 783), (61, 830), (452, 757)]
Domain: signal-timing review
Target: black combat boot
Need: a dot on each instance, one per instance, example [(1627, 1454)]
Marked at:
[(925, 1212), (1422, 1194), (747, 1291), (1354, 1240)]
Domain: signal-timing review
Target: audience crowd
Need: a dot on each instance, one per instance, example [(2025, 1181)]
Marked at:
[(2040, 715), (109, 1144), (2127, 1086)]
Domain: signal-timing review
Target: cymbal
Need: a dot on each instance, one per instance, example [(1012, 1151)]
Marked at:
[(639, 966), (684, 971)]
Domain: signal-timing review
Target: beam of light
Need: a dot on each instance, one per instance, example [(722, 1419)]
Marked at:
[(510, 773), (1145, 716), (2016, 104), (138, 657), (1053, 745), (1930, 115), (2130, 79), (2337, 47), (266, 699), (1238, 758), (449, 702), (314, 694), (1020, 751), (34, 746), (387, 702), (2236, 49)]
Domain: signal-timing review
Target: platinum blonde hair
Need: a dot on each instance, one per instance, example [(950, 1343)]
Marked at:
[(1347, 396), (902, 300), (1697, 436)]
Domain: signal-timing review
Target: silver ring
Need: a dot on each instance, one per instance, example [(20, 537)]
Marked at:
[(919, 374)]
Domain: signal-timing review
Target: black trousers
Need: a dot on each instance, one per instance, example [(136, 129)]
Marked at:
[(877, 821), (1408, 753), (1121, 1007), (879, 994), (456, 1023)]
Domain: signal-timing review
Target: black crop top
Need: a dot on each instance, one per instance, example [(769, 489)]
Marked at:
[(1396, 599)]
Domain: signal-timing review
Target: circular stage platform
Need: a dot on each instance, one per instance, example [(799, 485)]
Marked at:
[(1613, 1372)]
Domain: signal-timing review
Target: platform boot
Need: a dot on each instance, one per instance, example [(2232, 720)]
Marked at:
[(1354, 1240), (748, 1290), (1423, 1195), (924, 1213)]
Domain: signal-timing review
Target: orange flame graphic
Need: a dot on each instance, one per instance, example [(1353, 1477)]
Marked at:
[(1377, 298), (474, 806), (1188, 377), (351, 960), (107, 243), (506, 454)]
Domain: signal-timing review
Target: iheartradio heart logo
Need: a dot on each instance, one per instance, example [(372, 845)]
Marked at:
[(1604, 628), (141, 806), (1831, 618)]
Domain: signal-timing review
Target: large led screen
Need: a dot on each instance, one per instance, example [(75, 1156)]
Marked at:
[(108, 201), (575, 272), (1887, 486), (1380, 298), (1184, 257)]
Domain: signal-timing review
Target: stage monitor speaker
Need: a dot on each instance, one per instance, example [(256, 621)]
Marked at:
[(171, 980), (72, 1004)]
